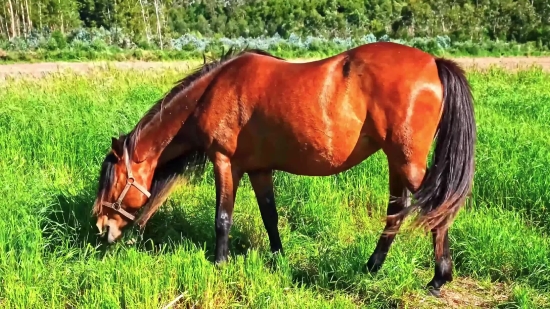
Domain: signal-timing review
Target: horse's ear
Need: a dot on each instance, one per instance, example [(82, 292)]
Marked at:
[(116, 145)]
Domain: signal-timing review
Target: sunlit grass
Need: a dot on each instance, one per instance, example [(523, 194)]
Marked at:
[(55, 131)]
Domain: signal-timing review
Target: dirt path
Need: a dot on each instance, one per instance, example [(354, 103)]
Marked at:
[(40, 69), (511, 63)]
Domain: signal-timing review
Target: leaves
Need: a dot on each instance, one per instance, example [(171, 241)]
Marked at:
[(461, 20)]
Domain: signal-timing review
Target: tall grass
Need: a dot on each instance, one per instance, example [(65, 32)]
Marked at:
[(55, 131)]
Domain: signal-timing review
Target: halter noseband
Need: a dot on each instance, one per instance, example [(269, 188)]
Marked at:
[(130, 181)]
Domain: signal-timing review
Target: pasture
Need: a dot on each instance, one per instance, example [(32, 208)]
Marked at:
[(54, 132)]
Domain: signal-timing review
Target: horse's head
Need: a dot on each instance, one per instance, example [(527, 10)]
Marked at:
[(123, 189)]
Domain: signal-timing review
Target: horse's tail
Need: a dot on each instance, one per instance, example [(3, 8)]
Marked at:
[(448, 181)]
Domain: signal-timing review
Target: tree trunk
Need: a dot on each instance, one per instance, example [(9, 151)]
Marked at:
[(40, 14), (29, 22), (17, 21), (115, 34), (2, 25), (145, 22), (61, 13), (5, 19), (13, 33), (23, 19), (159, 29)]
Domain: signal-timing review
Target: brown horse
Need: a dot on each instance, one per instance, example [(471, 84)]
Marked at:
[(255, 113)]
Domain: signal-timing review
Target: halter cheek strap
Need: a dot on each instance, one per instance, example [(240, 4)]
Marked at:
[(130, 181)]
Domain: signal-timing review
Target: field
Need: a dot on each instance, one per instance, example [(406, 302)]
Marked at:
[(55, 131)]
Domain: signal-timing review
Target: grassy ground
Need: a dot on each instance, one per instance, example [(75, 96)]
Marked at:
[(54, 133)]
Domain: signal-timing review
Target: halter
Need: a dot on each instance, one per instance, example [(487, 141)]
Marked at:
[(130, 181)]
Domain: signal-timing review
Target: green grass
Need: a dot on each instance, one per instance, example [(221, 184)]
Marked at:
[(54, 133)]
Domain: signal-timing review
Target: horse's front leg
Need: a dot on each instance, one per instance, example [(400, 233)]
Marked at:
[(227, 181)]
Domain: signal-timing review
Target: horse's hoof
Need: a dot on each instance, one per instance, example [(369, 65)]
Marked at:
[(434, 292), (220, 261), (371, 267)]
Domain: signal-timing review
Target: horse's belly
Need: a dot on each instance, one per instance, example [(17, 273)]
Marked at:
[(298, 139), (323, 159)]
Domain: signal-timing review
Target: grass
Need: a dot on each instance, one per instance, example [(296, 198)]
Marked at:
[(54, 133)]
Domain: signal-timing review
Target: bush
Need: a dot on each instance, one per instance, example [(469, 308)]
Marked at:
[(60, 40), (99, 43)]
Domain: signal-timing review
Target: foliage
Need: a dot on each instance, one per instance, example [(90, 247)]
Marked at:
[(85, 44), (55, 131), (151, 20), (314, 26)]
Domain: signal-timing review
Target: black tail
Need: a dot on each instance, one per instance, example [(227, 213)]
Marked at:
[(448, 181)]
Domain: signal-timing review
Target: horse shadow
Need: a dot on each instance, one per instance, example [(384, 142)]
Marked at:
[(69, 223), (173, 224)]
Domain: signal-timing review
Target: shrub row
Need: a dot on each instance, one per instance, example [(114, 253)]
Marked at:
[(96, 44)]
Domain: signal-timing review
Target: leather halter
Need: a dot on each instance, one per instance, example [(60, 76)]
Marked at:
[(130, 181)]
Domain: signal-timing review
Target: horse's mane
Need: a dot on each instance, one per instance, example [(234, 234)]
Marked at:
[(183, 84), (166, 175)]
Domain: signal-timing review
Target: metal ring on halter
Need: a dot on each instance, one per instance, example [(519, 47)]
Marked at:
[(116, 205)]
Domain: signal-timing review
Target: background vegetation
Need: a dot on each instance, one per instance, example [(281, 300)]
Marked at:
[(32, 30), (55, 131)]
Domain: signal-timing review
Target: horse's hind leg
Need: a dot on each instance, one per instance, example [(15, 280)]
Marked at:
[(443, 262), (262, 183), (413, 170), (397, 189)]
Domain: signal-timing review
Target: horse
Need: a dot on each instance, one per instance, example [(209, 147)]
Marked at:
[(256, 113)]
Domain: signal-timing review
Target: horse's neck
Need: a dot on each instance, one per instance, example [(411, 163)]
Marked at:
[(176, 148), (168, 120)]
